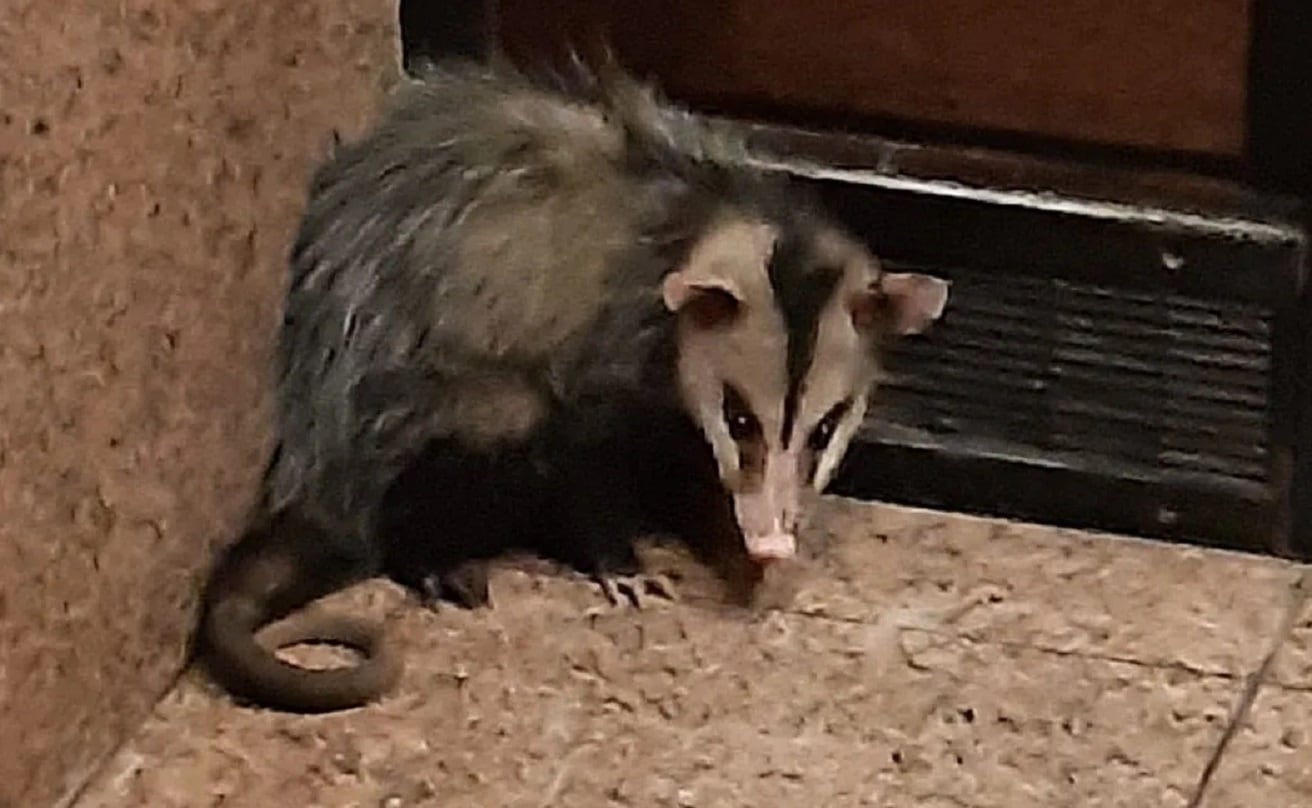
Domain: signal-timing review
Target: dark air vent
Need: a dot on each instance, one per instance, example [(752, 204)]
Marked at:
[(1161, 387)]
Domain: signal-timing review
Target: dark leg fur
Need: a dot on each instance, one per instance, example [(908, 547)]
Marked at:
[(452, 511), (465, 585), (597, 514), (569, 494), (595, 479)]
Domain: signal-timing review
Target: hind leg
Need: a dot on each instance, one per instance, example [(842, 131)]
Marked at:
[(453, 509), (465, 584), (440, 533), (462, 583)]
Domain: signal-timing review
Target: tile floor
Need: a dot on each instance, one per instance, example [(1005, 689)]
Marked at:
[(924, 659)]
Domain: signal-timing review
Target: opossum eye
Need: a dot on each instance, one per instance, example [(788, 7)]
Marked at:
[(823, 432), (738, 416)]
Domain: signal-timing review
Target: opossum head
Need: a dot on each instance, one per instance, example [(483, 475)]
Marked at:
[(778, 334)]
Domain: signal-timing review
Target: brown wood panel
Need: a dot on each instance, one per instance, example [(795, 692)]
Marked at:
[(1166, 75)]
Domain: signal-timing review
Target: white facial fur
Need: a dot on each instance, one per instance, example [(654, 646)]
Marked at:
[(735, 335)]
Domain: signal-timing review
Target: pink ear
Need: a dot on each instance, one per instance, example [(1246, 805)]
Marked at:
[(707, 303), (900, 303)]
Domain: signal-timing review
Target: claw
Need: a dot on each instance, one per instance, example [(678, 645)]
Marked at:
[(636, 589)]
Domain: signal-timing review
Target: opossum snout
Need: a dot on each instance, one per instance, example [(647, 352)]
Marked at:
[(768, 519)]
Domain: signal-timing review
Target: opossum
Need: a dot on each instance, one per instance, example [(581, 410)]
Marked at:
[(507, 278)]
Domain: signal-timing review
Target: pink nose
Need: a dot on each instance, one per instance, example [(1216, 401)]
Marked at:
[(771, 547)]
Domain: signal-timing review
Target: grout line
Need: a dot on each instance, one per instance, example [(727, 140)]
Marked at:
[(1295, 597)]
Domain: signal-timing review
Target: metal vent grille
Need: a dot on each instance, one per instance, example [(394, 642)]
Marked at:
[(1155, 386)]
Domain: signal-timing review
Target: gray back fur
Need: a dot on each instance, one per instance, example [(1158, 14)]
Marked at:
[(485, 226)]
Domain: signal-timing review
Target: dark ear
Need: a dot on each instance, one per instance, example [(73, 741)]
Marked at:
[(708, 302), (900, 303)]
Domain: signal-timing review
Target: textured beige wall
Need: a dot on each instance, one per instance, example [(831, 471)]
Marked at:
[(153, 155)]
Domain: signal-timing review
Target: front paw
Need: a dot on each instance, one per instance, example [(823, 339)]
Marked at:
[(639, 589)]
